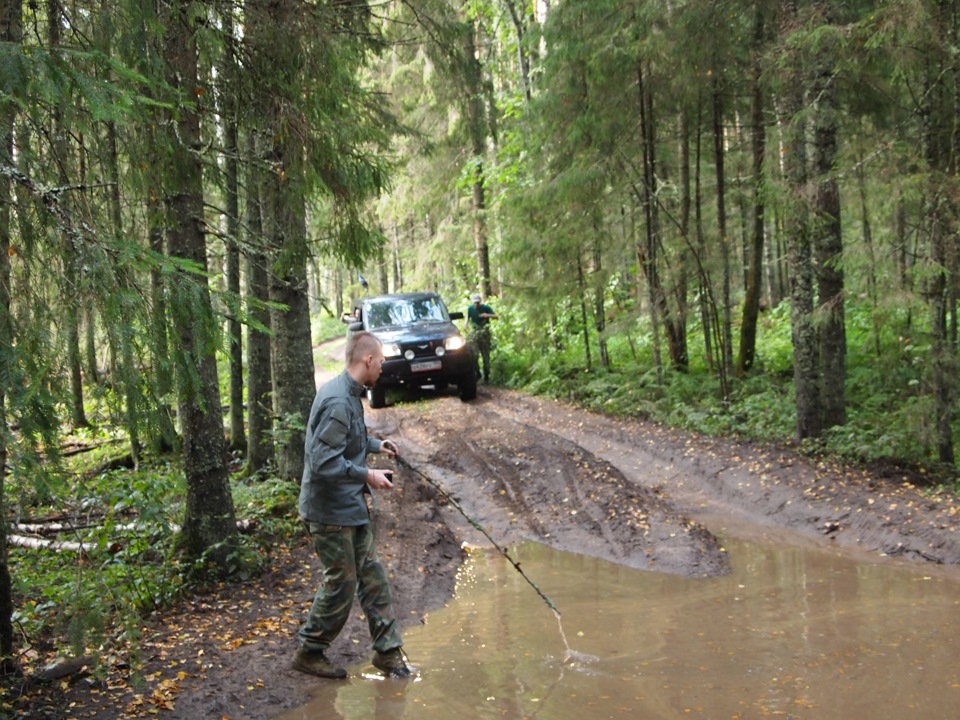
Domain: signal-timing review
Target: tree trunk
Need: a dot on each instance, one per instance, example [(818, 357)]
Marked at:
[(707, 309), (944, 360), (397, 266), (283, 214), (754, 269), (674, 322), (582, 286), (74, 359), (292, 349), (686, 252), (770, 262), (872, 289), (726, 339), (523, 58), (60, 155), (647, 252), (72, 322), (744, 211), (903, 245), (338, 288), (11, 18), (905, 257), (165, 437), (128, 374), (209, 525), (783, 264), (797, 235), (938, 117), (599, 312), (90, 345), (478, 139), (480, 228), (259, 379), (382, 267), (238, 440), (828, 242)]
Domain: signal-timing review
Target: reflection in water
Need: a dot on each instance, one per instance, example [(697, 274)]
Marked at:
[(792, 632)]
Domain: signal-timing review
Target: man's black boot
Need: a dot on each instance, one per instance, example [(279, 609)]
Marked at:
[(392, 664), (316, 663)]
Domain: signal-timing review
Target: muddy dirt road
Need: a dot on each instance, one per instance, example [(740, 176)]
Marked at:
[(523, 468)]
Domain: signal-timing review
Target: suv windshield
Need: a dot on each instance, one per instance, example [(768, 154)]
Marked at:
[(399, 311)]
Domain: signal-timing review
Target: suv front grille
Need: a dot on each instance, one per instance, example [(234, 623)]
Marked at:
[(427, 349)]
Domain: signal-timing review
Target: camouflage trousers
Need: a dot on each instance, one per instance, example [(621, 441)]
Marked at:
[(350, 568), (481, 343)]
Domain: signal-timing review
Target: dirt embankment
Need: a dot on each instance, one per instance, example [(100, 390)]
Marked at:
[(524, 469)]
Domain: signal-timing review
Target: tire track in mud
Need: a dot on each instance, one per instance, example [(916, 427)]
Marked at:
[(522, 482), (758, 486)]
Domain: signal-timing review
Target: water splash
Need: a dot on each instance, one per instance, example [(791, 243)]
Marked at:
[(573, 657)]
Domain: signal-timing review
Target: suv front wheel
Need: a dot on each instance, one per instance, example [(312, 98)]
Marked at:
[(377, 396), (468, 386)]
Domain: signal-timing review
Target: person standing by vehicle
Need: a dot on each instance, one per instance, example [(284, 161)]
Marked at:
[(353, 316), (333, 507), (479, 316)]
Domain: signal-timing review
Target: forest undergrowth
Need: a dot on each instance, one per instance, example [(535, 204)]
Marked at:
[(889, 410)]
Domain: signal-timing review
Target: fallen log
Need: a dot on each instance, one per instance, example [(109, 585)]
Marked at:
[(48, 528), (60, 517), (58, 527), (124, 462), (35, 543), (65, 668), (41, 543), (74, 449), (72, 520)]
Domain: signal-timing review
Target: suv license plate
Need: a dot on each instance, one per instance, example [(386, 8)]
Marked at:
[(425, 365)]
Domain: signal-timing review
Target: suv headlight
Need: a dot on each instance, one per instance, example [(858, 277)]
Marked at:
[(454, 343), (391, 350)]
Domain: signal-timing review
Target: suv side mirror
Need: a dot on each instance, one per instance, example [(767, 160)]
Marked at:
[(355, 327), (456, 315)]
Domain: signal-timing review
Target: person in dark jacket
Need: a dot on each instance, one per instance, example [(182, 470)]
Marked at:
[(334, 507)]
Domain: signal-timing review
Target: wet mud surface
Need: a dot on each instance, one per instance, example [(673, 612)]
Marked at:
[(524, 469)]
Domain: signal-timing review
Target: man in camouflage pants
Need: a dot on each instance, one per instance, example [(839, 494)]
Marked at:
[(479, 315), (333, 506)]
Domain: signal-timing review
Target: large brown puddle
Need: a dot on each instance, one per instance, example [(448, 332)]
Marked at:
[(795, 631)]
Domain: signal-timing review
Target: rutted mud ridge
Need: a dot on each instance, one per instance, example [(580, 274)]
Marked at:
[(882, 510), (524, 483)]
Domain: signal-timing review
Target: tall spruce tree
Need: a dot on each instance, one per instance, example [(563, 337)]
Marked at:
[(806, 366), (209, 524), (259, 383), (275, 32), (826, 225), (758, 136), (938, 104), (228, 99), (319, 145)]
